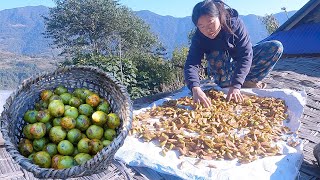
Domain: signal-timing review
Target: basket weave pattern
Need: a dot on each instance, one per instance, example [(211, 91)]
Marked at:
[(27, 94)]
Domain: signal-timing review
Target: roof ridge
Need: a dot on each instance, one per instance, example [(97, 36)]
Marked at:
[(298, 16)]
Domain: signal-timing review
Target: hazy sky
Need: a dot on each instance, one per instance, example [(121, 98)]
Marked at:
[(181, 8)]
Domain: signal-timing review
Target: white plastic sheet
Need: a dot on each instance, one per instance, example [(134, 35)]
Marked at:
[(135, 152)]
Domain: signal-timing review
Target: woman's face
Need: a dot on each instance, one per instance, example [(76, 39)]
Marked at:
[(209, 26)]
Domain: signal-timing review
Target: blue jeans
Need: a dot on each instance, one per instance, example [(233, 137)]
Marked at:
[(265, 55)]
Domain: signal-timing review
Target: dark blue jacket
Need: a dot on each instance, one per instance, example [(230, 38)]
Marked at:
[(239, 47)]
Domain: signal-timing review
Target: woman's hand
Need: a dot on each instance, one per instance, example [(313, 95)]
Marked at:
[(235, 94), (200, 97)]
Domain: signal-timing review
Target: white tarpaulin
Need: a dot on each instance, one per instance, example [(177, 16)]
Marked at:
[(135, 152)]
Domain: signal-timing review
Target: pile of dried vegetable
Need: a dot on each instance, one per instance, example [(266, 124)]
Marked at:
[(226, 130)]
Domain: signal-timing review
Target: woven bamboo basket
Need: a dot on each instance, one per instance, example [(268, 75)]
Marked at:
[(316, 153), (27, 94)]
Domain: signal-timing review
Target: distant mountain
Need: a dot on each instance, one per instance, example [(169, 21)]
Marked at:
[(172, 32), (21, 30)]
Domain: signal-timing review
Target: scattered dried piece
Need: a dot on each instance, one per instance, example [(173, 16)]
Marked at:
[(226, 130)]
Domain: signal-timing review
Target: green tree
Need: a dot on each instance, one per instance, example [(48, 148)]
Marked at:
[(270, 22), (104, 34), (153, 73), (178, 60), (191, 33), (97, 27)]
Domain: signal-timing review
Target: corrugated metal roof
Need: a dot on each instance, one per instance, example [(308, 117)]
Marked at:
[(304, 39), (299, 15)]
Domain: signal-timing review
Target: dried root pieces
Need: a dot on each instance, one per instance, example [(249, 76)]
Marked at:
[(226, 130)]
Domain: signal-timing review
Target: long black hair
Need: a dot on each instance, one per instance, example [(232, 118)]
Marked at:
[(213, 8)]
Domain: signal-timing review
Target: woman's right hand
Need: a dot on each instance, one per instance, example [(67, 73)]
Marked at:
[(200, 97)]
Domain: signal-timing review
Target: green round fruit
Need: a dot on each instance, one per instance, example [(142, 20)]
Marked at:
[(27, 131), (65, 97), (39, 144), (85, 109), (43, 116), (54, 161), (31, 116), (45, 95), (104, 106), (93, 100), (67, 107), (71, 112), (74, 136), (57, 134), (66, 162), (38, 130), (75, 102), (42, 105), (42, 159), (51, 149), (85, 94), (106, 143), (110, 134), (113, 121), (77, 92), (68, 122), (65, 147), (55, 97), (96, 146), (25, 141), (56, 121), (81, 158), (84, 146), (99, 118), (82, 122), (94, 132), (56, 108), (25, 147), (60, 90)]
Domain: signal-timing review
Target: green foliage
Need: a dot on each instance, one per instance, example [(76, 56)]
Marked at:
[(153, 73), (97, 27), (270, 22), (142, 74), (190, 34), (122, 69), (178, 59)]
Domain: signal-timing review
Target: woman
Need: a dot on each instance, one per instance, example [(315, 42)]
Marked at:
[(232, 61)]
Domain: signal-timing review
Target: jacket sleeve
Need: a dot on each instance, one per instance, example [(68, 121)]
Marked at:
[(243, 55), (193, 62)]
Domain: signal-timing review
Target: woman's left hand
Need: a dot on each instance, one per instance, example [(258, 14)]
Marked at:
[(235, 94)]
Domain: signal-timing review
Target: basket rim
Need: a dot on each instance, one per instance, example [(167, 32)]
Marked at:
[(46, 172)]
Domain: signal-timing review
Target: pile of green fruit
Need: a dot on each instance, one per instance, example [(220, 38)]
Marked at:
[(66, 129)]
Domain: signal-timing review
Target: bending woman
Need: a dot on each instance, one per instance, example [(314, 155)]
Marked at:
[(232, 61)]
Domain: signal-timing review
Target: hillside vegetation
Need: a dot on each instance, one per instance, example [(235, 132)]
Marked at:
[(14, 69)]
